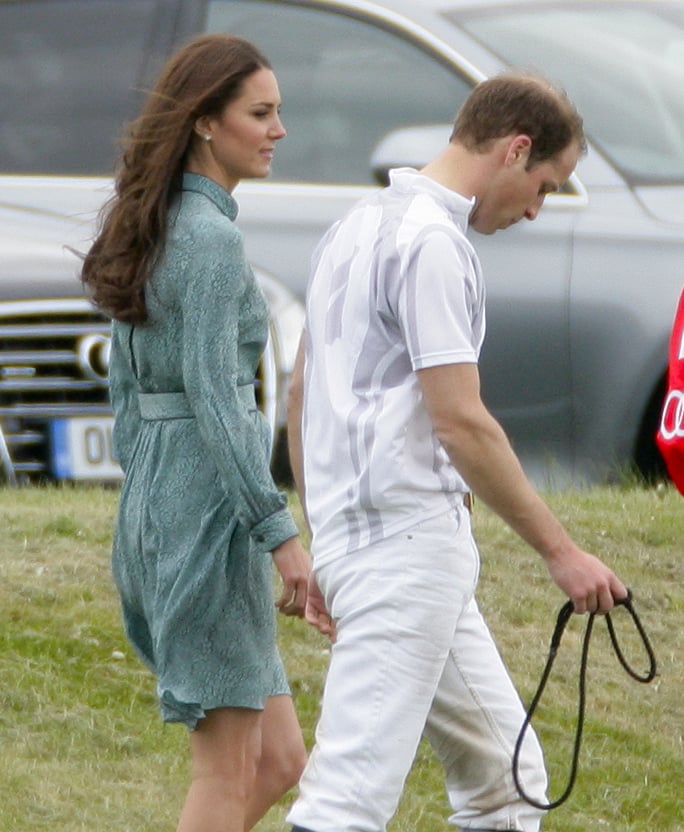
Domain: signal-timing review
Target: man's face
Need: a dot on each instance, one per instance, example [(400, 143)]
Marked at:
[(516, 192)]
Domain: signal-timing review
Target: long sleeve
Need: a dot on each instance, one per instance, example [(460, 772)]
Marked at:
[(123, 392), (225, 319)]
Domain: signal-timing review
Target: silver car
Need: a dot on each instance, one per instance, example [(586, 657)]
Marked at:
[(580, 302)]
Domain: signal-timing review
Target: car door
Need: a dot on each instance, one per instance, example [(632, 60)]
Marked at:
[(349, 78)]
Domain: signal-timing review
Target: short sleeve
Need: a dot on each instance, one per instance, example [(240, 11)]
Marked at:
[(441, 304)]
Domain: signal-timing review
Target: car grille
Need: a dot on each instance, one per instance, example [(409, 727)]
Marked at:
[(53, 363)]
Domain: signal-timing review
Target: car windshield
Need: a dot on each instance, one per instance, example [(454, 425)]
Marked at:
[(622, 64)]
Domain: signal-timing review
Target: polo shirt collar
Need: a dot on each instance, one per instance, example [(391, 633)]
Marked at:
[(410, 180)]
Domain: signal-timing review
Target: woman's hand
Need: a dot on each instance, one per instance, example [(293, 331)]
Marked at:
[(293, 563)]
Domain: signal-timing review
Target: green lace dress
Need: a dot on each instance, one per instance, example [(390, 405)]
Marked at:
[(198, 513)]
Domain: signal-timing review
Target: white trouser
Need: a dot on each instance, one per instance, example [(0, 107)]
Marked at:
[(413, 655)]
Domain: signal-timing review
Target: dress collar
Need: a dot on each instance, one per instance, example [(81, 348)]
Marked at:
[(410, 180), (213, 191)]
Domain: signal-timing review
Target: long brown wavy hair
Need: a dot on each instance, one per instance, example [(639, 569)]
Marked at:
[(200, 79)]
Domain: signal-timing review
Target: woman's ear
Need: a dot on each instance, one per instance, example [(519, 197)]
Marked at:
[(202, 128)]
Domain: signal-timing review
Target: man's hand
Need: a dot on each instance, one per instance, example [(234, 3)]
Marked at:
[(317, 613), (293, 563), (586, 580)]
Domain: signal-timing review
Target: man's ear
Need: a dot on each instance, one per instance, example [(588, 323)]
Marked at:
[(519, 149)]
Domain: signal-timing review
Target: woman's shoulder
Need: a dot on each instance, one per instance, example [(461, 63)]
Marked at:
[(200, 217), (202, 231), (203, 241)]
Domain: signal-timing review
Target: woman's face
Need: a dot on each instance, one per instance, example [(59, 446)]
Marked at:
[(243, 137)]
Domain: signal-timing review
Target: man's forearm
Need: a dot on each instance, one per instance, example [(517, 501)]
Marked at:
[(484, 457), (479, 449)]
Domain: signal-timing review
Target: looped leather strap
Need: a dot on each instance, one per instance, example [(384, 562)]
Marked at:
[(564, 616)]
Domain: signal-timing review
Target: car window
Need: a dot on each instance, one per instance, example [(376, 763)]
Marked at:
[(345, 83), (68, 72), (622, 63)]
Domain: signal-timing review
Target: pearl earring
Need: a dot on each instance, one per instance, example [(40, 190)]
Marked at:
[(207, 138)]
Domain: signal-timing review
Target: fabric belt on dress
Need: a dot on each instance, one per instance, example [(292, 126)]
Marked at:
[(162, 406)]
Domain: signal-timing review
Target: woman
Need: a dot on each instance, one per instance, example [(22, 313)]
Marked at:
[(199, 511)]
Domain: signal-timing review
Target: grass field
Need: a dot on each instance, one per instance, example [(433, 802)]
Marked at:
[(82, 747)]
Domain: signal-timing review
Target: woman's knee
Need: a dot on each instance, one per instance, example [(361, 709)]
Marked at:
[(296, 765), (283, 765), (283, 754)]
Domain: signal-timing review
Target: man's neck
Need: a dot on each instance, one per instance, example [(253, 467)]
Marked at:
[(464, 171)]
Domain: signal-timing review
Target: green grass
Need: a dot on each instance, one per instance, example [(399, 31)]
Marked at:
[(82, 746)]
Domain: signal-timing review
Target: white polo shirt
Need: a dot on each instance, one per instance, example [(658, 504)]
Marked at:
[(396, 287)]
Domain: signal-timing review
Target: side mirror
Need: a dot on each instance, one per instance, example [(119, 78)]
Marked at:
[(408, 147)]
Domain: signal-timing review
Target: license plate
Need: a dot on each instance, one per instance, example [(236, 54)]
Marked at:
[(82, 449)]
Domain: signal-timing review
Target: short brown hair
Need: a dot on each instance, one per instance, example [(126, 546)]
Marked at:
[(519, 103)]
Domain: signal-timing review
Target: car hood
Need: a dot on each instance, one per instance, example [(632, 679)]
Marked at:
[(37, 253), (665, 203)]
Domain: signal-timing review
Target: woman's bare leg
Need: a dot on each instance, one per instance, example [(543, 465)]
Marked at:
[(283, 757), (225, 749)]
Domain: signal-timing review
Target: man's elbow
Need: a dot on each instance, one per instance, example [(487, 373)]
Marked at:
[(465, 433)]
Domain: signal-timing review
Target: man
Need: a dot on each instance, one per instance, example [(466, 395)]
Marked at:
[(395, 437)]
